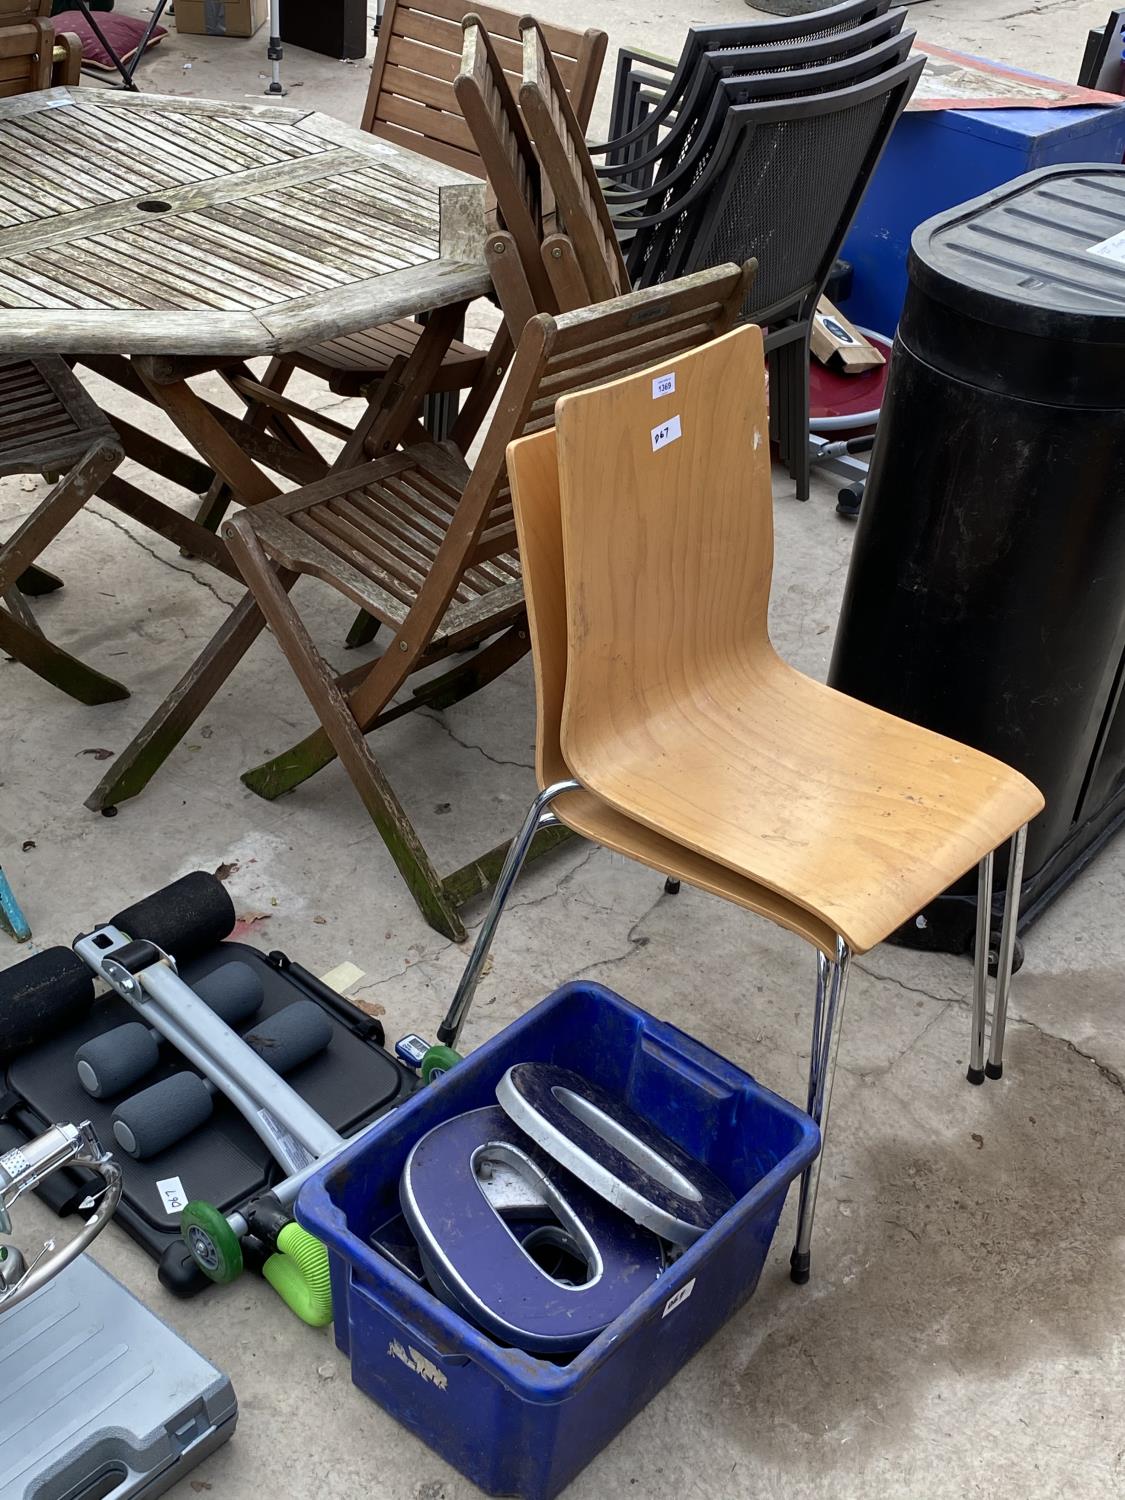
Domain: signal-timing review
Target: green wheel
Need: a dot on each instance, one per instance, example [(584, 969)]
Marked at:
[(213, 1243), (438, 1060)]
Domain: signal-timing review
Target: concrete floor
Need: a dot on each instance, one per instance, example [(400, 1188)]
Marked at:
[(962, 1334)]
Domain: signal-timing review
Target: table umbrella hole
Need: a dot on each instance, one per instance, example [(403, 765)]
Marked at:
[(153, 206)]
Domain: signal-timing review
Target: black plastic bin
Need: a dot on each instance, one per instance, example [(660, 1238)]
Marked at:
[(986, 594)]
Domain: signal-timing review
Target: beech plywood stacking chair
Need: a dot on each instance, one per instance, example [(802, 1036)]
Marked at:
[(670, 730), (427, 547)]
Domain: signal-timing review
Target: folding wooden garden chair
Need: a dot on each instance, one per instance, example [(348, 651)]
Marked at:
[(48, 424), (412, 100), (66, 55), (426, 546), (670, 730), (26, 57)]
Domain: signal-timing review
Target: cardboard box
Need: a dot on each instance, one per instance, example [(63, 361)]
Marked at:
[(837, 343), (221, 17)]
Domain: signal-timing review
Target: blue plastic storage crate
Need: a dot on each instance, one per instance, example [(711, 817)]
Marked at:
[(936, 159), (516, 1425)]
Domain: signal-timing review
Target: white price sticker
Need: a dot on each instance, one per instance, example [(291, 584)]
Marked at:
[(664, 385), (667, 432), (680, 1297), (1112, 249), (172, 1194)]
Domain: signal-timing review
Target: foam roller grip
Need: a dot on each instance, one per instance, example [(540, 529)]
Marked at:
[(41, 997), (159, 1116), (233, 991), (186, 918), (116, 1060), (163, 1114), (291, 1036)]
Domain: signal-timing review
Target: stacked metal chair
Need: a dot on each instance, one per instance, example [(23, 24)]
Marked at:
[(761, 146)]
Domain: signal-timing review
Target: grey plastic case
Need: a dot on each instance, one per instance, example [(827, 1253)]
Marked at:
[(100, 1399)]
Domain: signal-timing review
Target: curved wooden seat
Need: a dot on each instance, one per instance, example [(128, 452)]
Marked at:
[(352, 362), (375, 533), (678, 711)]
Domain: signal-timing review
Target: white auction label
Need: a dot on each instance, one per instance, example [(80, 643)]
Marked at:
[(172, 1194), (1112, 249), (680, 1297), (666, 433), (664, 385)]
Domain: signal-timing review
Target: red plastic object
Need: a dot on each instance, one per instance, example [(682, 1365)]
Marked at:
[(844, 396)]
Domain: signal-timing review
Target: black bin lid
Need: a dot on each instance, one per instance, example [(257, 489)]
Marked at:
[(1041, 258)]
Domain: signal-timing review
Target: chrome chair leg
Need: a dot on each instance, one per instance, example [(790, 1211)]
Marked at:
[(994, 1068), (539, 815), (825, 1049), (817, 1028), (980, 969)]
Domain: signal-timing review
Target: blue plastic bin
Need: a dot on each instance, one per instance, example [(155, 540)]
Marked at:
[(936, 159), (516, 1425)]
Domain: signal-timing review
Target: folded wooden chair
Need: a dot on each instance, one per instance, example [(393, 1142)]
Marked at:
[(670, 730), (26, 57), (413, 101), (427, 546)]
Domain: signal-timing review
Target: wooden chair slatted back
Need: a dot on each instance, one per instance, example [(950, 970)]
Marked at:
[(411, 100), (560, 356), (671, 582), (560, 142), (14, 11), (26, 57)]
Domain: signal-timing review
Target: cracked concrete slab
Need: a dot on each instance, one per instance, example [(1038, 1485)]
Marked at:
[(962, 1332)]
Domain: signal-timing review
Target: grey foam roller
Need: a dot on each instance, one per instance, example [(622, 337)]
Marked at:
[(233, 992), (159, 1116), (291, 1036), (114, 1061), (163, 1114)]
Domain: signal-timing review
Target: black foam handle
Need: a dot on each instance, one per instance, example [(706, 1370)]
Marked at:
[(186, 918), (42, 996)]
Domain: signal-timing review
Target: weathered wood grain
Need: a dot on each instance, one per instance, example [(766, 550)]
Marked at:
[(192, 227)]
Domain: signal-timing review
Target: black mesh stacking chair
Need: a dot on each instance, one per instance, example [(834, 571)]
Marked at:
[(782, 185), (648, 90), (695, 117)]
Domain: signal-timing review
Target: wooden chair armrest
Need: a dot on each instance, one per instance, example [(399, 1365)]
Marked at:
[(66, 61)]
